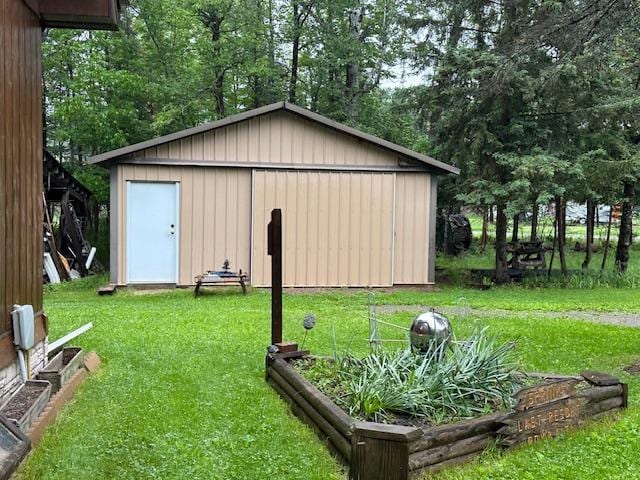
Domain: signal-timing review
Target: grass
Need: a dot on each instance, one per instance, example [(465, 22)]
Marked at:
[(575, 231), (181, 394)]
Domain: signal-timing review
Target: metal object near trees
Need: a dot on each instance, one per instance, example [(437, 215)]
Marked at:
[(429, 330)]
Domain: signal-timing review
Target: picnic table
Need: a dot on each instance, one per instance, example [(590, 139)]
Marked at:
[(527, 254), (220, 277)]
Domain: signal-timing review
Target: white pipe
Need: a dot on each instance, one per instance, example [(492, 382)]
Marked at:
[(22, 366), (53, 346), (89, 261)]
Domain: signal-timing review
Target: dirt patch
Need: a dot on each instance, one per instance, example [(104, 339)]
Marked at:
[(152, 291), (633, 368), (68, 354), (19, 404), (610, 318)]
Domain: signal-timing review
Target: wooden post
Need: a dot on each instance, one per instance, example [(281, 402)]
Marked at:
[(381, 452), (274, 249)]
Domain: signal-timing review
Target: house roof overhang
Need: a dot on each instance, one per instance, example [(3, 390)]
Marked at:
[(85, 14)]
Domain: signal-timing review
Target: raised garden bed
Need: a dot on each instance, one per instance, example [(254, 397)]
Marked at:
[(24, 406), (62, 367), (394, 452)]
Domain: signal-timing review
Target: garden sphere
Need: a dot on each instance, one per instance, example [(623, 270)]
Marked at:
[(428, 330)]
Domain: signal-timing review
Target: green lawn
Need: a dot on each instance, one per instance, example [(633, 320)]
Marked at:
[(181, 394), (575, 231)]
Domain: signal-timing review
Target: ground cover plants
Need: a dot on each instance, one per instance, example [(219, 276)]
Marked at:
[(449, 382)]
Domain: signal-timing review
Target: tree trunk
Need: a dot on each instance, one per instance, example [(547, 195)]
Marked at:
[(534, 222), (353, 63), (591, 214), (516, 227), (484, 238), (560, 222), (502, 275), (218, 94), (555, 243), (625, 232), (563, 225), (606, 243), (212, 19), (295, 52)]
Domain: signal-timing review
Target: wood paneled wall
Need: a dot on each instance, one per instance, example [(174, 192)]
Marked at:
[(20, 161)]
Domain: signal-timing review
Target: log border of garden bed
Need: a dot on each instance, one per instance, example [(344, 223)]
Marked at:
[(379, 451)]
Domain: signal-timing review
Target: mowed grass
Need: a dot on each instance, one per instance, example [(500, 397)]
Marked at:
[(181, 393)]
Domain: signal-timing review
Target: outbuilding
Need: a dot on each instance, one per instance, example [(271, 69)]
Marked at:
[(358, 211)]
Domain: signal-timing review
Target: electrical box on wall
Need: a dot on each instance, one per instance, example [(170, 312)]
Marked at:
[(23, 326)]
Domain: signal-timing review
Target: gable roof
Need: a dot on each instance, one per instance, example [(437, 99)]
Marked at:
[(437, 166)]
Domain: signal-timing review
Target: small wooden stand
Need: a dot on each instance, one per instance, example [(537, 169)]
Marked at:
[(214, 280)]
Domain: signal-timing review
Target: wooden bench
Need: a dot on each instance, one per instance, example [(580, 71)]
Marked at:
[(527, 255), (214, 279)]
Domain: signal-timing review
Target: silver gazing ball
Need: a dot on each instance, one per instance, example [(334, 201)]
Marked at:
[(429, 329)]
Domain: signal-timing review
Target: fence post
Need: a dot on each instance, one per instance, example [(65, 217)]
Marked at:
[(274, 249)]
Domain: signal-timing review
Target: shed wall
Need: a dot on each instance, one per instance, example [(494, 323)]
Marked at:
[(412, 229), (337, 227), (215, 216), (276, 138)]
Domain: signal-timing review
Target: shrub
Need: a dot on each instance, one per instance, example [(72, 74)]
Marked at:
[(464, 380)]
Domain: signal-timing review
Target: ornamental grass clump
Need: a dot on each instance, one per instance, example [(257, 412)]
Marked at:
[(462, 380)]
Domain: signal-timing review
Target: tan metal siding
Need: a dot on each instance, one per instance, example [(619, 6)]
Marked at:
[(215, 216), (280, 137), (412, 229), (338, 227)]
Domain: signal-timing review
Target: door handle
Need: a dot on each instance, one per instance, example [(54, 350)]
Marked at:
[(172, 229)]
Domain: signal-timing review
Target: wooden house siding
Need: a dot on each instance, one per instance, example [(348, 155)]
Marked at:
[(20, 166)]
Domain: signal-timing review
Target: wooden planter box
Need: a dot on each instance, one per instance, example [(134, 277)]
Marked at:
[(389, 452), (23, 409), (62, 367)]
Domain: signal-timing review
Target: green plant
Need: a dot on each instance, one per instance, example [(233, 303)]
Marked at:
[(468, 379), (587, 280)]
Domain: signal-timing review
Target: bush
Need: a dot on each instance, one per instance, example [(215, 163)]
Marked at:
[(465, 380)]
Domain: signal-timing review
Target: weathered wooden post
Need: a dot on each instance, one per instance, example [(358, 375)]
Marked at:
[(381, 452), (274, 249)]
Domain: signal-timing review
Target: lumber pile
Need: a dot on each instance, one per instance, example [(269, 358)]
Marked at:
[(67, 253)]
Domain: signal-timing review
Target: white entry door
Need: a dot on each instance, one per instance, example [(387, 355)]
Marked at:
[(152, 232)]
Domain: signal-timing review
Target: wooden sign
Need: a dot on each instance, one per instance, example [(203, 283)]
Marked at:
[(547, 420), (544, 393)]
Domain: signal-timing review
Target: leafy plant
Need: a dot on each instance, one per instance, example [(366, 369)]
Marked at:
[(462, 381)]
